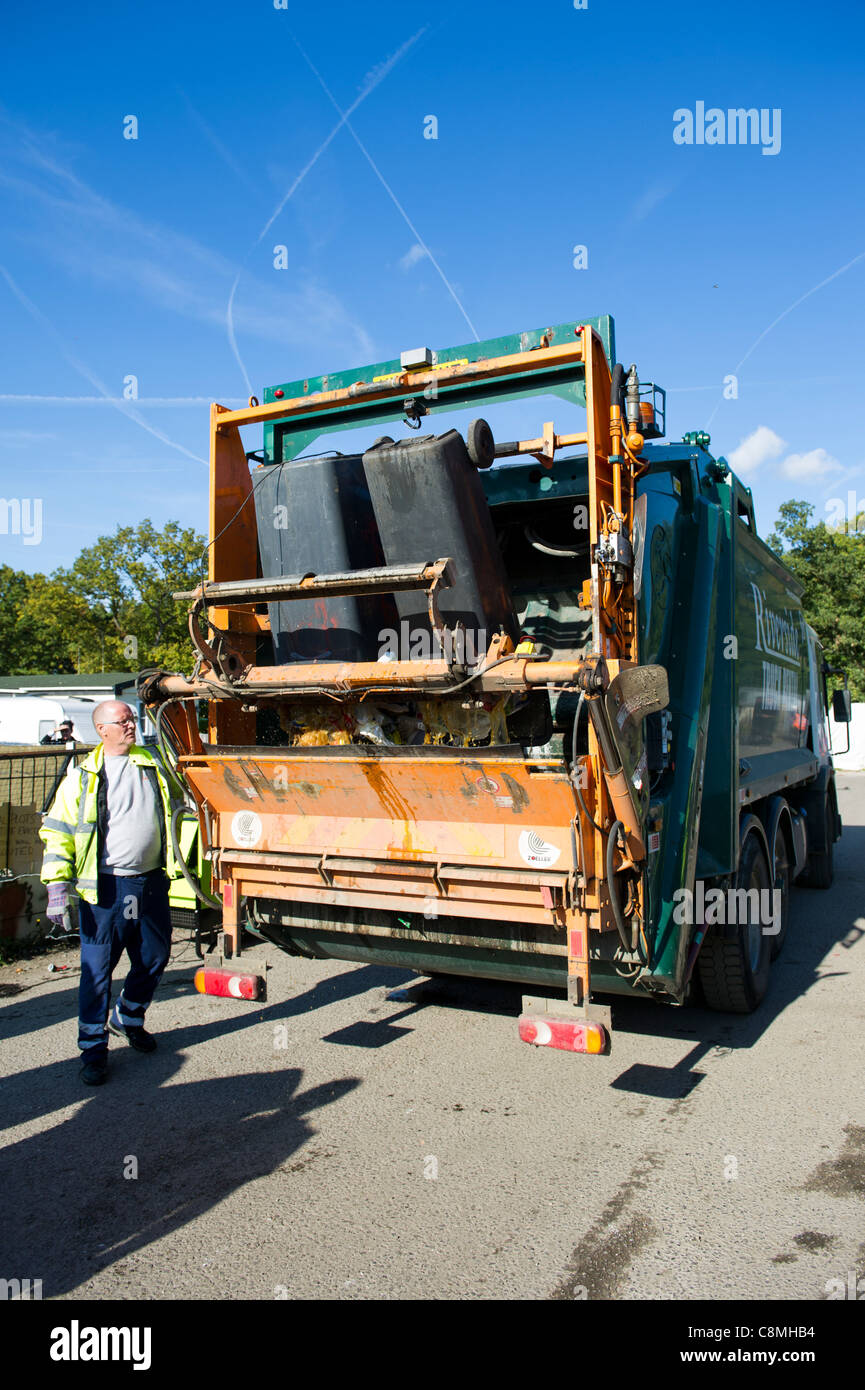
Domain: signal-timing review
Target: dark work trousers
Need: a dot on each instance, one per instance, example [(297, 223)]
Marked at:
[(131, 914)]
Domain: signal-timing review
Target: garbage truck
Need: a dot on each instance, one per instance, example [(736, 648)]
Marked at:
[(543, 710)]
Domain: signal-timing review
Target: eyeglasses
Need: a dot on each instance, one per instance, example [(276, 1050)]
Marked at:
[(130, 722)]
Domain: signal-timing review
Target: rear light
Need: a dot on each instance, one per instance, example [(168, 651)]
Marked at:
[(567, 1034), (231, 984)]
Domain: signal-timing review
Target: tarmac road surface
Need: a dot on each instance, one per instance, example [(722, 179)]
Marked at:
[(341, 1141)]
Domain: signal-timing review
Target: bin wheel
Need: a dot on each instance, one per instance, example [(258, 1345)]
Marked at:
[(480, 444), (734, 970)]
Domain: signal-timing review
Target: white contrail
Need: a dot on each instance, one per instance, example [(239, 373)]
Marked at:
[(224, 153), (229, 328), (128, 469), (229, 312), (122, 406), (378, 77), (785, 381), (374, 81), (384, 183), (122, 400), (788, 310)]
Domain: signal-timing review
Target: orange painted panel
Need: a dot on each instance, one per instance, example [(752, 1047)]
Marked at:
[(404, 807)]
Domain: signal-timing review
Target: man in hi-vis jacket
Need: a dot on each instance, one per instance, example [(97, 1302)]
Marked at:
[(108, 837)]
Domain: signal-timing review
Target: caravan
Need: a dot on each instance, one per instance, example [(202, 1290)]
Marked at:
[(26, 719)]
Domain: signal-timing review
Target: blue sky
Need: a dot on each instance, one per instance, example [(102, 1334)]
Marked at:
[(122, 257)]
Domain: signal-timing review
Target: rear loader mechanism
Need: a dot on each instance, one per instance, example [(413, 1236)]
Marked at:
[(499, 854)]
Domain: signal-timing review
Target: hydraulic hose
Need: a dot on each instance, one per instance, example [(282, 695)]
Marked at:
[(576, 780), (179, 811), (559, 552), (611, 837), (614, 901), (169, 760), (181, 862)]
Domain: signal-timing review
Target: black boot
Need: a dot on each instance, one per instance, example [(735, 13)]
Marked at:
[(94, 1070)]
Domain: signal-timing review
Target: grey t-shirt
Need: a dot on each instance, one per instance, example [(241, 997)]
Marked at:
[(133, 842)]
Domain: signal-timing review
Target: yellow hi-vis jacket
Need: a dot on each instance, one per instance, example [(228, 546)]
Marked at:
[(73, 830)]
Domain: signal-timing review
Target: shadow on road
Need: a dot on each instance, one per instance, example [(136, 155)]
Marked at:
[(24, 1015), (823, 928), (45, 1088), (69, 1211)]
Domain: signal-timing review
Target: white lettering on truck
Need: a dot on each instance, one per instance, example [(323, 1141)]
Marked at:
[(778, 633)]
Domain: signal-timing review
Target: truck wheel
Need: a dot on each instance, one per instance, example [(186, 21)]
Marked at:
[(734, 972), (782, 874), (821, 866)]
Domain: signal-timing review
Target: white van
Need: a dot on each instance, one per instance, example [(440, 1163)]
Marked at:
[(26, 719)]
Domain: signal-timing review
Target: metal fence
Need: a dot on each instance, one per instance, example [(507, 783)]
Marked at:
[(29, 778)]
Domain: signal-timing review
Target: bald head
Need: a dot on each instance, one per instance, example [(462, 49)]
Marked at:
[(114, 722)]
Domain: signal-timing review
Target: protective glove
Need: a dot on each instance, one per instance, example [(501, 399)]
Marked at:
[(58, 910)]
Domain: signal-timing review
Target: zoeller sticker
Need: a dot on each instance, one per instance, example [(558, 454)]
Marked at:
[(537, 851), (246, 828)]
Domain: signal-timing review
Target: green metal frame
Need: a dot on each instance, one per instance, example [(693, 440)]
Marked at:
[(284, 440)]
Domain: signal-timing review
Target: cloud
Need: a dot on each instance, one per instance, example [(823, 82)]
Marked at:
[(763, 445), (90, 235), (412, 256), (814, 464), (755, 449)]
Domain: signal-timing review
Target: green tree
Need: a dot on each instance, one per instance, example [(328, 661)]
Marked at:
[(831, 567), (126, 581), (13, 593), (36, 624), (111, 609), (62, 625)]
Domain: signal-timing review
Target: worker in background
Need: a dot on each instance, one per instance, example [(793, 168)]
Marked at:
[(62, 734), (108, 836)]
